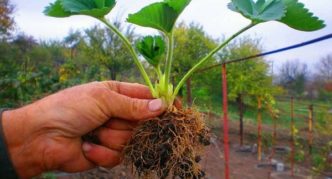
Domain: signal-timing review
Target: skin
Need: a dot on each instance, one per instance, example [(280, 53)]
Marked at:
[(46, 135)]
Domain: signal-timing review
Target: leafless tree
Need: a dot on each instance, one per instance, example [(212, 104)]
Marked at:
[(324, 69), (293, 76)]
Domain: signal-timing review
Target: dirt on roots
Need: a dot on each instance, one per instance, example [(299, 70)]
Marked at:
[(169, 146)]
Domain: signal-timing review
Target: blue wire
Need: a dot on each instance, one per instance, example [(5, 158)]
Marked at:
[(282, 49)]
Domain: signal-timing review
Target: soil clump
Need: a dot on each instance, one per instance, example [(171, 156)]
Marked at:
[(169, 146)]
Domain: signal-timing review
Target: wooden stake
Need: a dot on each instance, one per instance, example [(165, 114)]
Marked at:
[(274, 132), (292, 136), (188, 87), (310, 127), (259, 123), (241, 111), (225, 120)]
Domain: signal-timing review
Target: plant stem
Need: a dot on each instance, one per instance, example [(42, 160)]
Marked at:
[(169, 60), (158, 71), (132, 52), (203, 60)]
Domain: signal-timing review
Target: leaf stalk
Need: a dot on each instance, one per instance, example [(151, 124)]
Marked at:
[(169, 59), (203, 60), (132, 52)]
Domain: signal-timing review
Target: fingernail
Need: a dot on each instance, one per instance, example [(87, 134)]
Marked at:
[(86, 147), (155, 105)]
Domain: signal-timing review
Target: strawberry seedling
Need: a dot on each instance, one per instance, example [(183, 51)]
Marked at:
[(171, 145)]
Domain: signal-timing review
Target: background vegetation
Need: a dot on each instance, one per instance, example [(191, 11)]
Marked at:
[(31, 69)]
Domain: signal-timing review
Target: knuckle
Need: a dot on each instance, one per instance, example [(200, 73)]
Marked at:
[(102, 134), (112, 85), (138, 109), (95, 83), (99, 93), (95, 92), (138, 84), (110, 161)]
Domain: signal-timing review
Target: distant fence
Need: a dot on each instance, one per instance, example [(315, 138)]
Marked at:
[(308, 119)]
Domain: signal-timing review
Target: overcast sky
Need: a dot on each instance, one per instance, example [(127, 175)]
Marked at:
[(213, 15)]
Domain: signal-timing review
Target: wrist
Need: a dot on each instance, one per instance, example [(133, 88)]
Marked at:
[(17, 134)]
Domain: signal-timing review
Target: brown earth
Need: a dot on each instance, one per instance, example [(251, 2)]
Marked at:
[(243, 165)]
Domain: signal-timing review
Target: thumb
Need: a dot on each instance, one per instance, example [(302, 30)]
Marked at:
[(124, 107)]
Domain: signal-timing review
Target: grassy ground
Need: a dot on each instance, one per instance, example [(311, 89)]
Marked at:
[(322, 143), (301, 112)]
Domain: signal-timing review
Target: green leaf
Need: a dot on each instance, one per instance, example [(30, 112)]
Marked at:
[(261, 11), (152, 48), (300, 18), (177, 5), (94, 8), (160, 15), (289, 12), (56, 10), (100, 3)]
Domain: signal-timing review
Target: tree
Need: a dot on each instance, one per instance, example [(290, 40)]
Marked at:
[(6, 19), (72, 41), (324, 68), (28, 68), (13, 54), (108, 49), (248, 80), (191, 44), (322, 83), (293, 76)]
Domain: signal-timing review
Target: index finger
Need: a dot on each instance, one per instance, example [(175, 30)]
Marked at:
[(133, 90)]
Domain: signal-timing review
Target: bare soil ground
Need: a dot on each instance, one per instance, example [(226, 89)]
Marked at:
[(243, 165)]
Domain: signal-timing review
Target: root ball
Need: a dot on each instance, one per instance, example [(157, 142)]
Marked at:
[(169, 146)]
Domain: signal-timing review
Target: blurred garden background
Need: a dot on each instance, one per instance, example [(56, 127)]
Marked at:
[(33, 67)]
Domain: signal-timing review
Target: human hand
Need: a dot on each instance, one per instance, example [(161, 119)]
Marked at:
[(46, 135)]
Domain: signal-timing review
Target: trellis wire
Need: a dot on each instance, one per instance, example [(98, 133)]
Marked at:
[(225, 101)]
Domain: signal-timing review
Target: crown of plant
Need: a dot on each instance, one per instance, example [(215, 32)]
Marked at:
[(163, 15)]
